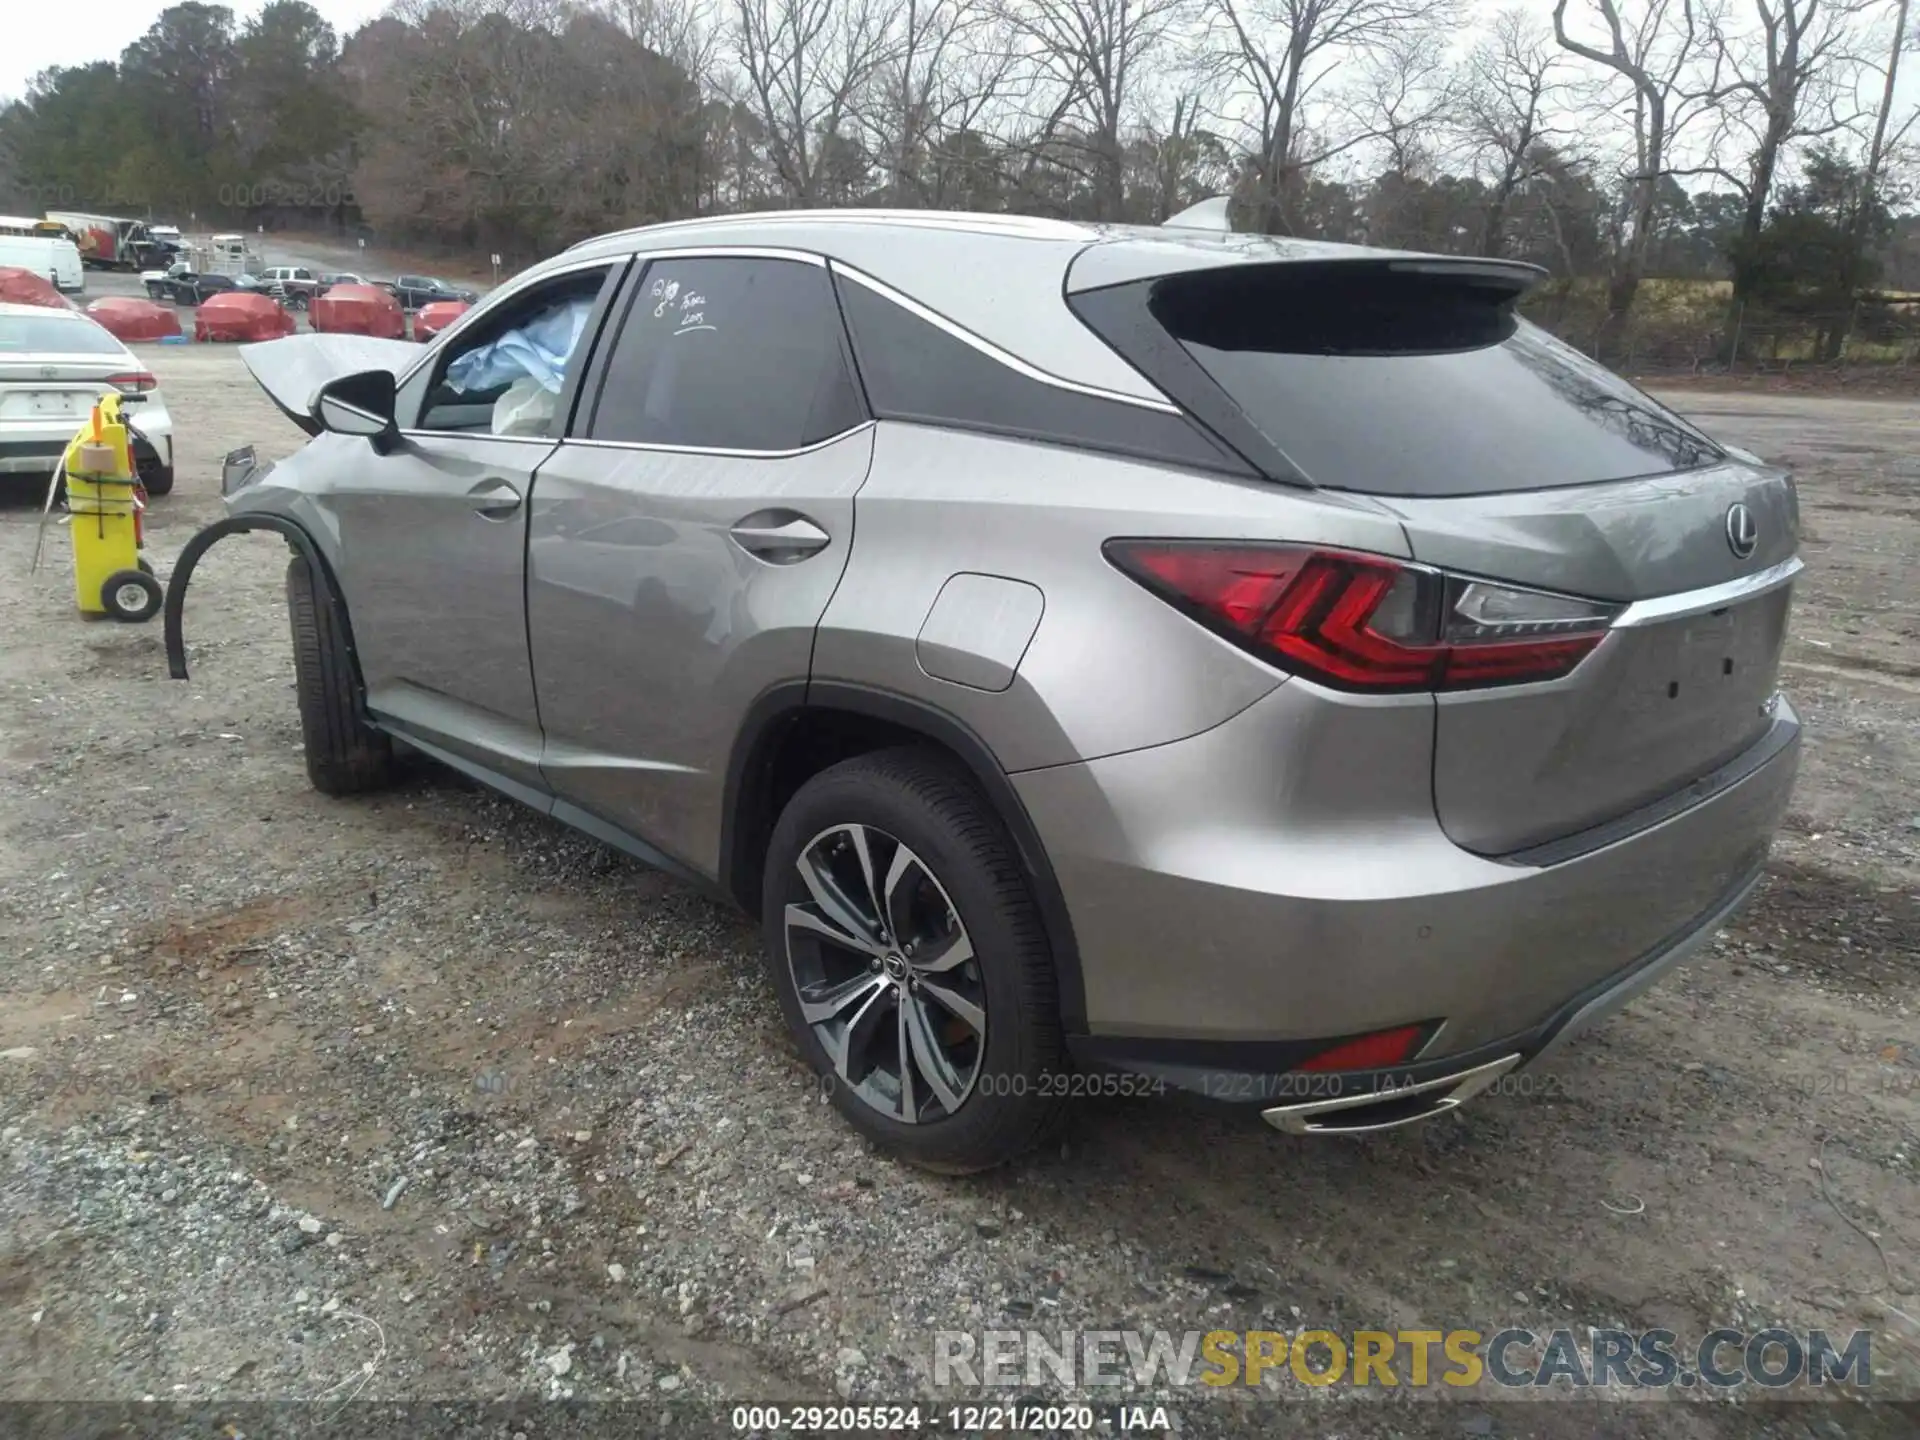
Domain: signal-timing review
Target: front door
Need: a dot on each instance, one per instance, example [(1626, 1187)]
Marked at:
[(433, 535), (687, 535)]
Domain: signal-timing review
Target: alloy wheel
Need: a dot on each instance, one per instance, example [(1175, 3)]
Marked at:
[(886, 975)]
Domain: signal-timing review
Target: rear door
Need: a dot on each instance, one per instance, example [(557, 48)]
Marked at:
[(1511, 457), (688, 533)]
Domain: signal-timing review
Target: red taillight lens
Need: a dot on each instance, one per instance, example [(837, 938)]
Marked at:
[(134, 382), (1367, 622), (1369, 1052)]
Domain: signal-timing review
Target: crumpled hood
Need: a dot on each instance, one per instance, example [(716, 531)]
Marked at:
[(292, 370)]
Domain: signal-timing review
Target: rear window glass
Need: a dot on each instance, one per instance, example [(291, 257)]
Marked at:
[(1416, 384), (31, 334)]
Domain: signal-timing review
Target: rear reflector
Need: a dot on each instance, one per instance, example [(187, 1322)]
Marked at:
[(1369, 1052), (1367, 622)]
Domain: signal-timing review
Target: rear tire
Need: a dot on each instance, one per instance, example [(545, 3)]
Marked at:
[(959, 884), (344, 755)]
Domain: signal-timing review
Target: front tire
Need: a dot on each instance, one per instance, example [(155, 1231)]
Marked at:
[(911, 963), (344, 755)]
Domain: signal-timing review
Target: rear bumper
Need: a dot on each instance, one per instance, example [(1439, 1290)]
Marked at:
[(1353, 1101), (1245, 897), (37, 450)]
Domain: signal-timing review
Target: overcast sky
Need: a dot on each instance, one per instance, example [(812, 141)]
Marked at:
[(40, 34)]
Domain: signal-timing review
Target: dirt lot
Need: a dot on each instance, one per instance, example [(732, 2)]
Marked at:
[(235, 1016)]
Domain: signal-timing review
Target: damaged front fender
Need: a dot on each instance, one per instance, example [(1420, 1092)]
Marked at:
[(298, 540)]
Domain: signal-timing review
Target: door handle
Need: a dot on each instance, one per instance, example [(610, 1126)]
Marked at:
[(494, 499), (779, 537)]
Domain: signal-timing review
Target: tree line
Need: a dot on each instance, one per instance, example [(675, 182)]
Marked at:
[(1610, 141)]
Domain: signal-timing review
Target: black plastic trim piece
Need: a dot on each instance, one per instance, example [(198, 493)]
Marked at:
[(1120, 316), (301, 543), (974, 392), (1781, 735), (744, 825)]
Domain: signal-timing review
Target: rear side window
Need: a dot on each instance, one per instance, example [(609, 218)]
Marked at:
[(1398, 383), (728, 354), (915, 370)]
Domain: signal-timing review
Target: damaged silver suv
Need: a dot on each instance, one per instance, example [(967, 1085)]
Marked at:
[(1267, 669)]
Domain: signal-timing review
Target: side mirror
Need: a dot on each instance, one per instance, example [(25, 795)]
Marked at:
[(360, 405)]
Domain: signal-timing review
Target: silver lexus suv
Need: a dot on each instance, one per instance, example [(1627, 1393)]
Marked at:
[(1100, 657)]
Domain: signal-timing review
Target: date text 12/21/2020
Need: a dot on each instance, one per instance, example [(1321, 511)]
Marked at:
[(1068, 1418)]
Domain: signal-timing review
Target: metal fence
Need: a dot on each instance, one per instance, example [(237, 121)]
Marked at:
[(1698, 333)]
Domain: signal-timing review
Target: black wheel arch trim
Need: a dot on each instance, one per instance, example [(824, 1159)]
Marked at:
[(301, 543), (742, 847)]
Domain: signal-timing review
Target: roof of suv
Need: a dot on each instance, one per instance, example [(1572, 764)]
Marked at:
[(1000, 278)]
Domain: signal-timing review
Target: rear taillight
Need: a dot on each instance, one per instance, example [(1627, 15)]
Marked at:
[(1367, 622), (133, 382)]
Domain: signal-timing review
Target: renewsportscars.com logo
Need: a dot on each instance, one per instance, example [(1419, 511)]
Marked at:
[(1512, 1358)]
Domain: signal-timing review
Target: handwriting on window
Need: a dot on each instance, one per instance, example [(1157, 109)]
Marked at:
[(682, 306)]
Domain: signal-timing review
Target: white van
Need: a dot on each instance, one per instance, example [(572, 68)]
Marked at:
[(58, 260)]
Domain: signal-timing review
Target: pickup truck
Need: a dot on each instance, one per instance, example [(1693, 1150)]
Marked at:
[(413, 291), (193, 287), (159, 283), (296, 284)]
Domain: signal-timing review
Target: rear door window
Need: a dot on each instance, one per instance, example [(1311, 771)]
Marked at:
[(728, 353), (1398, 383)]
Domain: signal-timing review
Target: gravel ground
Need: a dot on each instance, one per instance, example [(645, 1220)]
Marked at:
[(422, 1097)]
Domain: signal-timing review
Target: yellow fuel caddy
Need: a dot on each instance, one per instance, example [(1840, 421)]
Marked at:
[(103, 499)]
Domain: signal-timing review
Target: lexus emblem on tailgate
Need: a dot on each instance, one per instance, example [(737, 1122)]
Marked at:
[(1742, 531)]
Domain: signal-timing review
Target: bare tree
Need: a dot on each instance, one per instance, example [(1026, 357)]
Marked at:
[(947, 65), (1659, 56), (1507, 101), (804, 66), (1273, 59), (1086, 59), (1882, 141), (1787, 77), (687, 32)]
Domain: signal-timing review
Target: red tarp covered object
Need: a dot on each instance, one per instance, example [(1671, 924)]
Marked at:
[(430, 320), (241, 315), (358, 310), (23, 287), (127, 318)]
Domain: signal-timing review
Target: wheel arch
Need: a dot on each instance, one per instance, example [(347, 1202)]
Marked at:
[(761, 774), (301, 543)]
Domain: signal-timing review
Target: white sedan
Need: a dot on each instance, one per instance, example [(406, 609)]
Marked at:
[(53, 365)]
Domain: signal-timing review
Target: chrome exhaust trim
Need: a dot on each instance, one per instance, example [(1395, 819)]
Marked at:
[(1347, 1114)]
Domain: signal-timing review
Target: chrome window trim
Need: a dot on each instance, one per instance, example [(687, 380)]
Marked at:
[(530, 279), (728, 454), (992, 351), (479, 435), (1016, 226), (1712, 597), (492, 301), (725, 252)]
